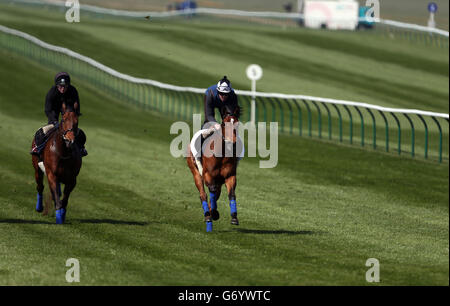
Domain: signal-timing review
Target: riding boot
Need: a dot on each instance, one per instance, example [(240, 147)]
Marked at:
[(83, 152), (40, 137), (80, 139), (38, 140)]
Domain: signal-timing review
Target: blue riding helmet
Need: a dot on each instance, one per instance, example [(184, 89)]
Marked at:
[(224, 85)]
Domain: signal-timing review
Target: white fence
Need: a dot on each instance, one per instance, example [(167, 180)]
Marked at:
[(141, 81), (288, 110)]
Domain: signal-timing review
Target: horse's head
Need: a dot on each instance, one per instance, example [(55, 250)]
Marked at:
[(230, 121), (69, 123)]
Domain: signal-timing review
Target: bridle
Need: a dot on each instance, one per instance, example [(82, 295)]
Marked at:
[(64, 133), (67, 131), (232, 121)]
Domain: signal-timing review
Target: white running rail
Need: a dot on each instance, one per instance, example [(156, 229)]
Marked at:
[(135, 80)]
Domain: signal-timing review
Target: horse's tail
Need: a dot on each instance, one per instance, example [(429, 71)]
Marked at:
[(47, 204)]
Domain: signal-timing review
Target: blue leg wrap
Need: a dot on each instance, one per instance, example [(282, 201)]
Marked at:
[(233, 208), (212, 197), (209, 226), (205, 207), (39, 206), (60, 215)]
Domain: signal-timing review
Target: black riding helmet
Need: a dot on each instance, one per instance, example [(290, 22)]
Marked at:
[(62, 78)]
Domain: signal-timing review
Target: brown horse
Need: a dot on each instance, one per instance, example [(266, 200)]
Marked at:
[(219, 163), (62, 162)]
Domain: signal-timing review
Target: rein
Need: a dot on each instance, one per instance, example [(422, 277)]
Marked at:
[(63, 133), (223, 125)]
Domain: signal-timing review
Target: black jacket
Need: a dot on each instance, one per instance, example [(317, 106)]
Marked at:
[(54, 101), (212, 101)]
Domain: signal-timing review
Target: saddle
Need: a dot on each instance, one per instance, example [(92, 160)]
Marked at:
[(196, 146), (40, 140)]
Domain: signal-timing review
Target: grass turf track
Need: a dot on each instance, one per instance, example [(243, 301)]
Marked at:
[(357, 66), (135, 217)]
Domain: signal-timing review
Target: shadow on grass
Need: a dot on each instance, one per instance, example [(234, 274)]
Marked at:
[(20, 221), (89, 221), (110, 221), (274, 232)]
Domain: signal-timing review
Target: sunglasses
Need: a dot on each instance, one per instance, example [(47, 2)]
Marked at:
[(223, 93)]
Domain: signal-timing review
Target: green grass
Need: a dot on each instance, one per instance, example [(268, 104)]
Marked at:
[(135, 218)]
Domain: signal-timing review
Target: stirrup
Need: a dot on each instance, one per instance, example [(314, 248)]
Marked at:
[(34, 151)]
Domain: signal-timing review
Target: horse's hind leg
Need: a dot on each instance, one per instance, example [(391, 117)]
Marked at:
[(203, 198), (39, 177), (199, 184), (205, 205), (198, 180), (231, 186)]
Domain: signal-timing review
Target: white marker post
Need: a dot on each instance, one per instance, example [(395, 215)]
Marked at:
[(254, 73), (432, 8)]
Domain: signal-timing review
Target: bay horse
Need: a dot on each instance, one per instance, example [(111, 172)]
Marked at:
[(219, 163), (62, 162)]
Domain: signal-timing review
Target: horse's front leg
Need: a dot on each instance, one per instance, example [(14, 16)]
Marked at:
[(203, 198), (67, 190), (231, 187), (55, 189), (214, 195)]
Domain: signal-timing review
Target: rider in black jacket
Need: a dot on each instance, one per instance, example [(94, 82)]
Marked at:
[(218, 96), (61, 92)]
